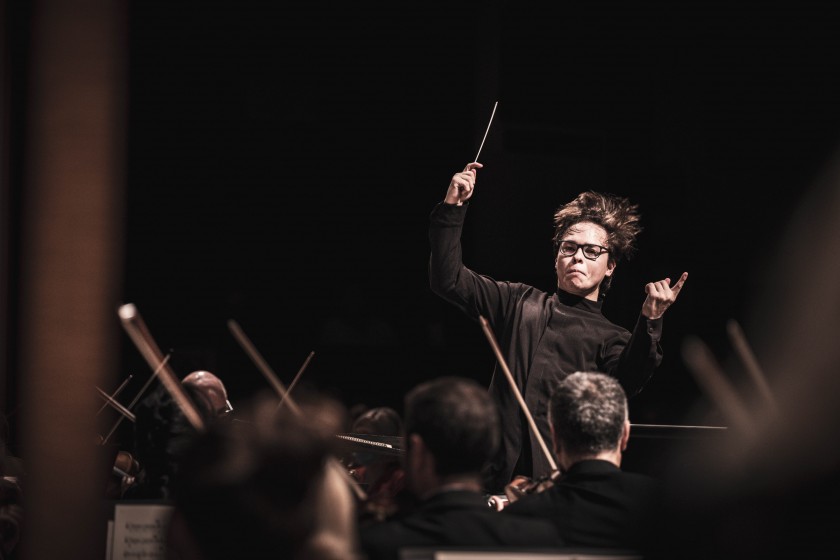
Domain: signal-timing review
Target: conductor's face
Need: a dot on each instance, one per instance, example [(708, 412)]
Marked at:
[(583, 260)]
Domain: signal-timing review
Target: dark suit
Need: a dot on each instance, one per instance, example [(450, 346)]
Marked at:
[(455, 518), (596, 504)]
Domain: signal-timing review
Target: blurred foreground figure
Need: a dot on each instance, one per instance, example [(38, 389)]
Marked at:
[(161, 436), (771, 488), (264, 487)]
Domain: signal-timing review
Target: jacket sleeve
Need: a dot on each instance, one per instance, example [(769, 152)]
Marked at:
[(633, 363), (472, 293)]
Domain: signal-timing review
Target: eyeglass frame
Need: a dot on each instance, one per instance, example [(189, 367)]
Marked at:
[(583, 247)]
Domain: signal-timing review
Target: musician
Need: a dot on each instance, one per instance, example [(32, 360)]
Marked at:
[(262, 488), (593, 503), (381, 476), (161, 435), (451, 431), (545, 336), (213, 389)]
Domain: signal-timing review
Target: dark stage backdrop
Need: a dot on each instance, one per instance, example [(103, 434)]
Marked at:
[(284, 158)]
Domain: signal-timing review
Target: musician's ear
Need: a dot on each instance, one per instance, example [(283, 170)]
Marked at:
[(557, 444), (625, 435), (412, 442), (421, 467), (554, 441), (418, 453)]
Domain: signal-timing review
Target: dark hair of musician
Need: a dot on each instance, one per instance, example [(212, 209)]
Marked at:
[(382, 420), (615, 214), (587, 413), (457, 421), (248, 489)]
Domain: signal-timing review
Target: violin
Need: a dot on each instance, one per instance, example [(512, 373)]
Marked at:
[(124, 475), (126, 467), (385, 487), (523, 485)]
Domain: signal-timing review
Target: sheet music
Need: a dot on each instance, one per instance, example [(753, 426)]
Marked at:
[(140, 531)]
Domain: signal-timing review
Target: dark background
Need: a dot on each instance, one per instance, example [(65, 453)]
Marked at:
[(283, 159)]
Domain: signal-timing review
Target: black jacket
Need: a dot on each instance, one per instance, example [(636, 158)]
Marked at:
[(596, 504), (456, 518)]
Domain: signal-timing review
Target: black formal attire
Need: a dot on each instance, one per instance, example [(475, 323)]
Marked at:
[(596, 504), (455, 518), (543, 338)]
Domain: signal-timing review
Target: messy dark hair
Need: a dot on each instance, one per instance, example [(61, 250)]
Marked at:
[(617, 215)]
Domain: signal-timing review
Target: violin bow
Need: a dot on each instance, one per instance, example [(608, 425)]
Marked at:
[(136, 398), (296, 379), (742, 348), (136, 329), (283, 393), (497, 351), (109, 400), (263, 366), (114, 395), (709, 375)]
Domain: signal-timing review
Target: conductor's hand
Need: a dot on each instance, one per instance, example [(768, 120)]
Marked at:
[(462, 184), (660, 296)]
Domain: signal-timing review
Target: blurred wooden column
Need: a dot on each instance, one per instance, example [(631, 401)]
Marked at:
[(71, 266)]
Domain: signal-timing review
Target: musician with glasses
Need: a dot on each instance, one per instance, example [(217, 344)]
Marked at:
[(546, 336)]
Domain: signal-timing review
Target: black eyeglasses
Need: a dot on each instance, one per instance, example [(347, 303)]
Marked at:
[(590, 251)]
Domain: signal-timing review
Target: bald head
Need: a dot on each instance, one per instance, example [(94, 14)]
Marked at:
[(212, 388)]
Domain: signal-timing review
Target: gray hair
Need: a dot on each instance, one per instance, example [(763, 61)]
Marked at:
[(587, 412)]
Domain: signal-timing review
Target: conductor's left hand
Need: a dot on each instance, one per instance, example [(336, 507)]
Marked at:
[(660, 296)]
